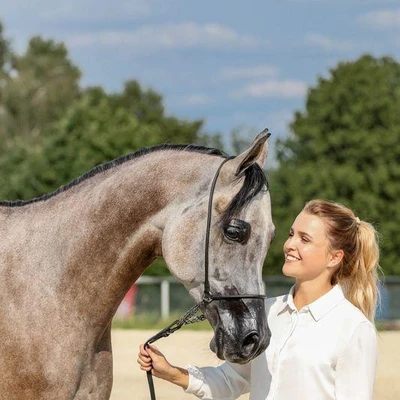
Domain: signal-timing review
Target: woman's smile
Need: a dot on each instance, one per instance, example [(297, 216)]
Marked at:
[(291, 258)]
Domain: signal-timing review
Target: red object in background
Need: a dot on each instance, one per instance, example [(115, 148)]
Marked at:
[(127, 307)]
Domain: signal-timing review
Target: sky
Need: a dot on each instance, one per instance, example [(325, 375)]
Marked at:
[(235, 64)]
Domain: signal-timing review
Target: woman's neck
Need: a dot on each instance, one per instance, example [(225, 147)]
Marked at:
[(307, 292)]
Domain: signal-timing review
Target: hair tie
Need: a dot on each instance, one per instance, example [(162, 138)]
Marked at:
[(358, 222)]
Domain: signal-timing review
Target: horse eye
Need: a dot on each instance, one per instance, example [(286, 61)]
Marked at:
[(232, 233), (237, 231)]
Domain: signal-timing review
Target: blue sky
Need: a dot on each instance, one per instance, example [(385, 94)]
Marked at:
[(232, 63)]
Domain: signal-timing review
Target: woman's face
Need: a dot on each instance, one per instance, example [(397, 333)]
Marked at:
[(307, 255)]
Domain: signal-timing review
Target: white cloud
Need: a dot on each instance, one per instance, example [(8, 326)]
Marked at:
[(288, 89), (328, 44), (382, 19), (258, 71), (150, 38)]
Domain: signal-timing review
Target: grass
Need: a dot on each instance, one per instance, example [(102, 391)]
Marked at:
[(153, 321)]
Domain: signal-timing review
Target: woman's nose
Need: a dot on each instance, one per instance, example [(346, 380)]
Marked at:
[(290, 244)]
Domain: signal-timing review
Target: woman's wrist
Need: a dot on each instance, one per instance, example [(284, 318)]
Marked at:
[(180, 377)]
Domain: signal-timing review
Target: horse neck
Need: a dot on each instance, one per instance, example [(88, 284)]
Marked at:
[(109, 225)]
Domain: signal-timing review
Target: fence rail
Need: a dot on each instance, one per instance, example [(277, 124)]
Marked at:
[(165, 295)]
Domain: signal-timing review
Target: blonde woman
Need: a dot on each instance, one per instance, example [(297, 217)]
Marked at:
[(323, 340)]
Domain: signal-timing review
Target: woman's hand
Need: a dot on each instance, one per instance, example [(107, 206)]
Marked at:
[(151, 359)]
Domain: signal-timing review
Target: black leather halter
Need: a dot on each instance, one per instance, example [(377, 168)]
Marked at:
[(208, 297)]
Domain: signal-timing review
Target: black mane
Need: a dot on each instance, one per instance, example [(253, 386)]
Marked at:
[(111, 164), (254, 182)]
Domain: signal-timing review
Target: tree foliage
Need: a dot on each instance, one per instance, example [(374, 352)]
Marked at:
[(4, 50), (40, 85), (345, 146), (52, 130)]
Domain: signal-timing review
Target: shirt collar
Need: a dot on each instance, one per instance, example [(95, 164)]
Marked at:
[(287, 302), (319, 307)]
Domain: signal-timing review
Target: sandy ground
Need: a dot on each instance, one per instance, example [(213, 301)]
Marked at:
[(186, 347)]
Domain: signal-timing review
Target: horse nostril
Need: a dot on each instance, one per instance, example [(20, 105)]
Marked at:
[(251, 339)]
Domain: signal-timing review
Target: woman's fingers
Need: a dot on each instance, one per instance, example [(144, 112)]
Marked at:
[(147, 356), (143, 350), (144, 360), (151, 359)]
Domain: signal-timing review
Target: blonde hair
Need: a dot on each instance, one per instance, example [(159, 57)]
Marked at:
[(359, 269)]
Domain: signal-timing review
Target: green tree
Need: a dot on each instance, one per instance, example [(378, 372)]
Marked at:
[(92, 131), (43, 83), (345, 146), (51, 130), (147, 107), (5, 51), (5, 65)]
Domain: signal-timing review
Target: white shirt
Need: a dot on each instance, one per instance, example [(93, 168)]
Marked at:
[(327, 350)]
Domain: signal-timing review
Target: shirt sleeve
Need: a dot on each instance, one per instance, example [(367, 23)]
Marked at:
[(225, 382), (355, 370)]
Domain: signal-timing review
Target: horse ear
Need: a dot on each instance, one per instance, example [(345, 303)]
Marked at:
[(257, 153)]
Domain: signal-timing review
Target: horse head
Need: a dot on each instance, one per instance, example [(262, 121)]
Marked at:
[(240, 233)]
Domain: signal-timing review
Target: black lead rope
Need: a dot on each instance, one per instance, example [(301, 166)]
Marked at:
[(208, 297), (188, 318)]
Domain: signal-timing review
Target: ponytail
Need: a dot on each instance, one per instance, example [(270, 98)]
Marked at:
[(358, 271)]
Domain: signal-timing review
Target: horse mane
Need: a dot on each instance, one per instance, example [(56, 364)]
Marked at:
[(111, 164), (255, 179)]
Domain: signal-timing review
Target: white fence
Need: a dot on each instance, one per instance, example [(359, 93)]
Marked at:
[(164, 295), (129, 303)]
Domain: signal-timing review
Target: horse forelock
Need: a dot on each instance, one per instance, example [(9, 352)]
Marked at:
[(254, 182)]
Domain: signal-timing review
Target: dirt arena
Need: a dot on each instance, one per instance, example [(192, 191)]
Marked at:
[(186, 347)]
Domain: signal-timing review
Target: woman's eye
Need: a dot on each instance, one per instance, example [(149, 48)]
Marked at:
[(237, 231)]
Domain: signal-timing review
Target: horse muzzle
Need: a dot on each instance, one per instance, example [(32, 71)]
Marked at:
[(240, 330)]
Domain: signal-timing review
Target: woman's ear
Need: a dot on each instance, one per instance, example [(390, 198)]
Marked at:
[(336, 257)]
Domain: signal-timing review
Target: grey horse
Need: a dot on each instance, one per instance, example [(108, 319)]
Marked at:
[(68, 258)]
